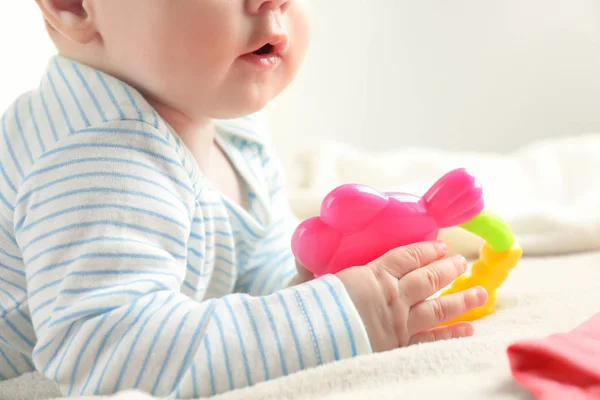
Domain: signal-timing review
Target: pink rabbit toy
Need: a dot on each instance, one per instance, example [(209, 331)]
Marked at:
[(358, 224)]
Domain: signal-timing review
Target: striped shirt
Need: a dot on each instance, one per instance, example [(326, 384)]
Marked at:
[(122, 267)]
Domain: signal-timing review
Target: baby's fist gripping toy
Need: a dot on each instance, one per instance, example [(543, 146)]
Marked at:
[(359, 224)]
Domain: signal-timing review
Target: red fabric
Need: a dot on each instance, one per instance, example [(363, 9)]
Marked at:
[(564, 366)]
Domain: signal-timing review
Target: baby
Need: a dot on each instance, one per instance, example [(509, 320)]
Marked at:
[(144, 225)]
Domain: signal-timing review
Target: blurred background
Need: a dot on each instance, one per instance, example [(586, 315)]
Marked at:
[(478, 75)]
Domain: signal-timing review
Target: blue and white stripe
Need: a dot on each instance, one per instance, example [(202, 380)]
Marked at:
[(122, 267)]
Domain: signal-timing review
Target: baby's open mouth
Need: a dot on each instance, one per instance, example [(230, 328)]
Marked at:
[(269, 55), (265, 50)]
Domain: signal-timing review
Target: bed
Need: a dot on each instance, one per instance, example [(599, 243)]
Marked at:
[(553, 207)]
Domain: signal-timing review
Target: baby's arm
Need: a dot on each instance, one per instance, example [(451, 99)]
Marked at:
[(273, 265), (103, 222)]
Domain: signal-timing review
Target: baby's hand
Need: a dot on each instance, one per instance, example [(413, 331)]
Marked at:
[(391, 295)]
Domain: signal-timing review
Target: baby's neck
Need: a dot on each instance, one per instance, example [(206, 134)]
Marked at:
[(198, 134)]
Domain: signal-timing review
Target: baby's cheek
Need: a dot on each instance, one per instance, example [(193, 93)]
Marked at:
[(297, 24)]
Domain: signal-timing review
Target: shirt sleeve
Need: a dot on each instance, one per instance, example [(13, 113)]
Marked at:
[(272, 265), (103, 221)]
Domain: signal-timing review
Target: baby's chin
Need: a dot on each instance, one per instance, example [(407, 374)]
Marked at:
[(237, 112), (242, 106)]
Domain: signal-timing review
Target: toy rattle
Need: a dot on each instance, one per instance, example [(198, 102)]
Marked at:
[(358, 224)]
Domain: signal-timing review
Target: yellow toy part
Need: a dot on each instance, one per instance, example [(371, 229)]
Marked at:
[(498, 256), (489, 271)]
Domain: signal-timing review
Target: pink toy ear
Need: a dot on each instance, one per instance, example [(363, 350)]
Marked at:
[(455, 198), (349, 208), (314, 244)]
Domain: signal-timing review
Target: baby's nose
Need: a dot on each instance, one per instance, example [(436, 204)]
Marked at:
[(258, 6)]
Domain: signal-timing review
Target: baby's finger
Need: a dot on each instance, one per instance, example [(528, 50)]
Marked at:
[(432, 313), (402, 260), (305, 274), (454, 331), (418, 285)]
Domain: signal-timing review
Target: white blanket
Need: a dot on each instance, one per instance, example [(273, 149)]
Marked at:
[(549, 193)]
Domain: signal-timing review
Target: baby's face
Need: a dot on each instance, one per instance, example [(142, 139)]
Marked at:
[(209, 58)]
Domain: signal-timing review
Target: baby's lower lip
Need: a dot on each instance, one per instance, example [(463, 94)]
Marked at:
[(264, 61)]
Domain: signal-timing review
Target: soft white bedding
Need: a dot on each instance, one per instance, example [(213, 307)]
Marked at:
[(549, 193)]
